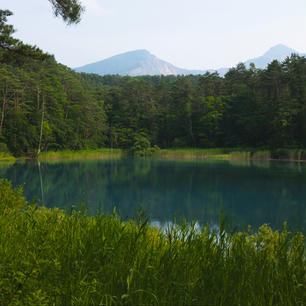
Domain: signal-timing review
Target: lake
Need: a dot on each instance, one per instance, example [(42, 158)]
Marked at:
[(248, 192)]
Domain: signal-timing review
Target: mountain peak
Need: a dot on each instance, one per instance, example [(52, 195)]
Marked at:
[(138, 52), (136, 62), (279, 50)]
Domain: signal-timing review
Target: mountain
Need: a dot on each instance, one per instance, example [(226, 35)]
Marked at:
[(138, 62), (278, 52), (142, 62)]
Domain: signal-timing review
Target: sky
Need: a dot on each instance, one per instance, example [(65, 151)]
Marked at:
[(192, 34)]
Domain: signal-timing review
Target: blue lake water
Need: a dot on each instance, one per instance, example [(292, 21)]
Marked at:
[(248, 193)]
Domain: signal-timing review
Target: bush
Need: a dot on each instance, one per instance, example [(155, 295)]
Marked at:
[(142, 146), (10, 199)]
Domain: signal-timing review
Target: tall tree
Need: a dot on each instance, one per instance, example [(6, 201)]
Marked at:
[(7, 42)]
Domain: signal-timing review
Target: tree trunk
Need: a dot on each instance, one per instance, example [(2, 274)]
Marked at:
[(3, 107), (38, 97), (41, 125)]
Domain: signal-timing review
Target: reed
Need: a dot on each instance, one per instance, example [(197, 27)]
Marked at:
[(261, 155), (7, 157), (289, 154), (52, 257), (67, 154), (236, 154), (195, 153)]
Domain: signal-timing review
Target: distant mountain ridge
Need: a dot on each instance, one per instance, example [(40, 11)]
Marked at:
[(142, 62), (278, 52), (134, 63)]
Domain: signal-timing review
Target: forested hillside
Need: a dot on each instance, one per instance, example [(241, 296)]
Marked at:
[(47, 106)]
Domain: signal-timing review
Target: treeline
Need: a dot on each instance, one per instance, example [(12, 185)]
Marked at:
[(47, 106)]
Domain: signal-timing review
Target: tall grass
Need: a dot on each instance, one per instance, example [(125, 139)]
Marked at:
[(195, 152), (99, 153), (239, 155), (5, 154), (236, 153), (261, 155), (6, 157), (289, 154), (50, 257)]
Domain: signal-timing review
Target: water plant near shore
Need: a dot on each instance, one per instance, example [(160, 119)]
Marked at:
[(236, 153), (99, 153), (51, 257)]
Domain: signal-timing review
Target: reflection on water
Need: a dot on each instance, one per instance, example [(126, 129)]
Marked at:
[(248, 192)]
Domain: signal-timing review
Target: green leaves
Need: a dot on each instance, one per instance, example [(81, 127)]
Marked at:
[(10, 199), (248, 108), (7, 42), (50, 258)]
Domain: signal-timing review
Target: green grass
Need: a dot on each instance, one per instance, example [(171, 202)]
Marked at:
[(236, 154), (187, 153), (6, 157), (182, 153), (99, 153), (289, 154), (262, 155), (213, 153), (49, 257)]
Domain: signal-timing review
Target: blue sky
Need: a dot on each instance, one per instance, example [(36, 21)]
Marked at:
[(194, 34)]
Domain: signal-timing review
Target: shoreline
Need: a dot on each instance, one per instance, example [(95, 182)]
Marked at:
[(286, 155)]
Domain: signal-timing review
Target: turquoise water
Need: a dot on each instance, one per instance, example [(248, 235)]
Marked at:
[(249, 193)]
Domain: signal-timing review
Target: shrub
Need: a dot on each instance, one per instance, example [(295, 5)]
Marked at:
[(10, 199), (142, 146)]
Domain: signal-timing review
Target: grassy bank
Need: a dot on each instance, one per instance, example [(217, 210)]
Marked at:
[(48, 257), (7, 157), (212, 153), (99, 153), (236, 154)]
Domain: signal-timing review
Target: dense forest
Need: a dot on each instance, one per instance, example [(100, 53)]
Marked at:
[(47, 106)]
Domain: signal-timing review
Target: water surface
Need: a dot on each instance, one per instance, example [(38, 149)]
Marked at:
[(249, 193)]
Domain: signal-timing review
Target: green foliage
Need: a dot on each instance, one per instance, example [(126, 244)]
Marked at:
[(45, 106), (223, 153), (4, 152), (6, 31), (50, 258), (69, 10), (142, 146), (10, 199), (81, 154)]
